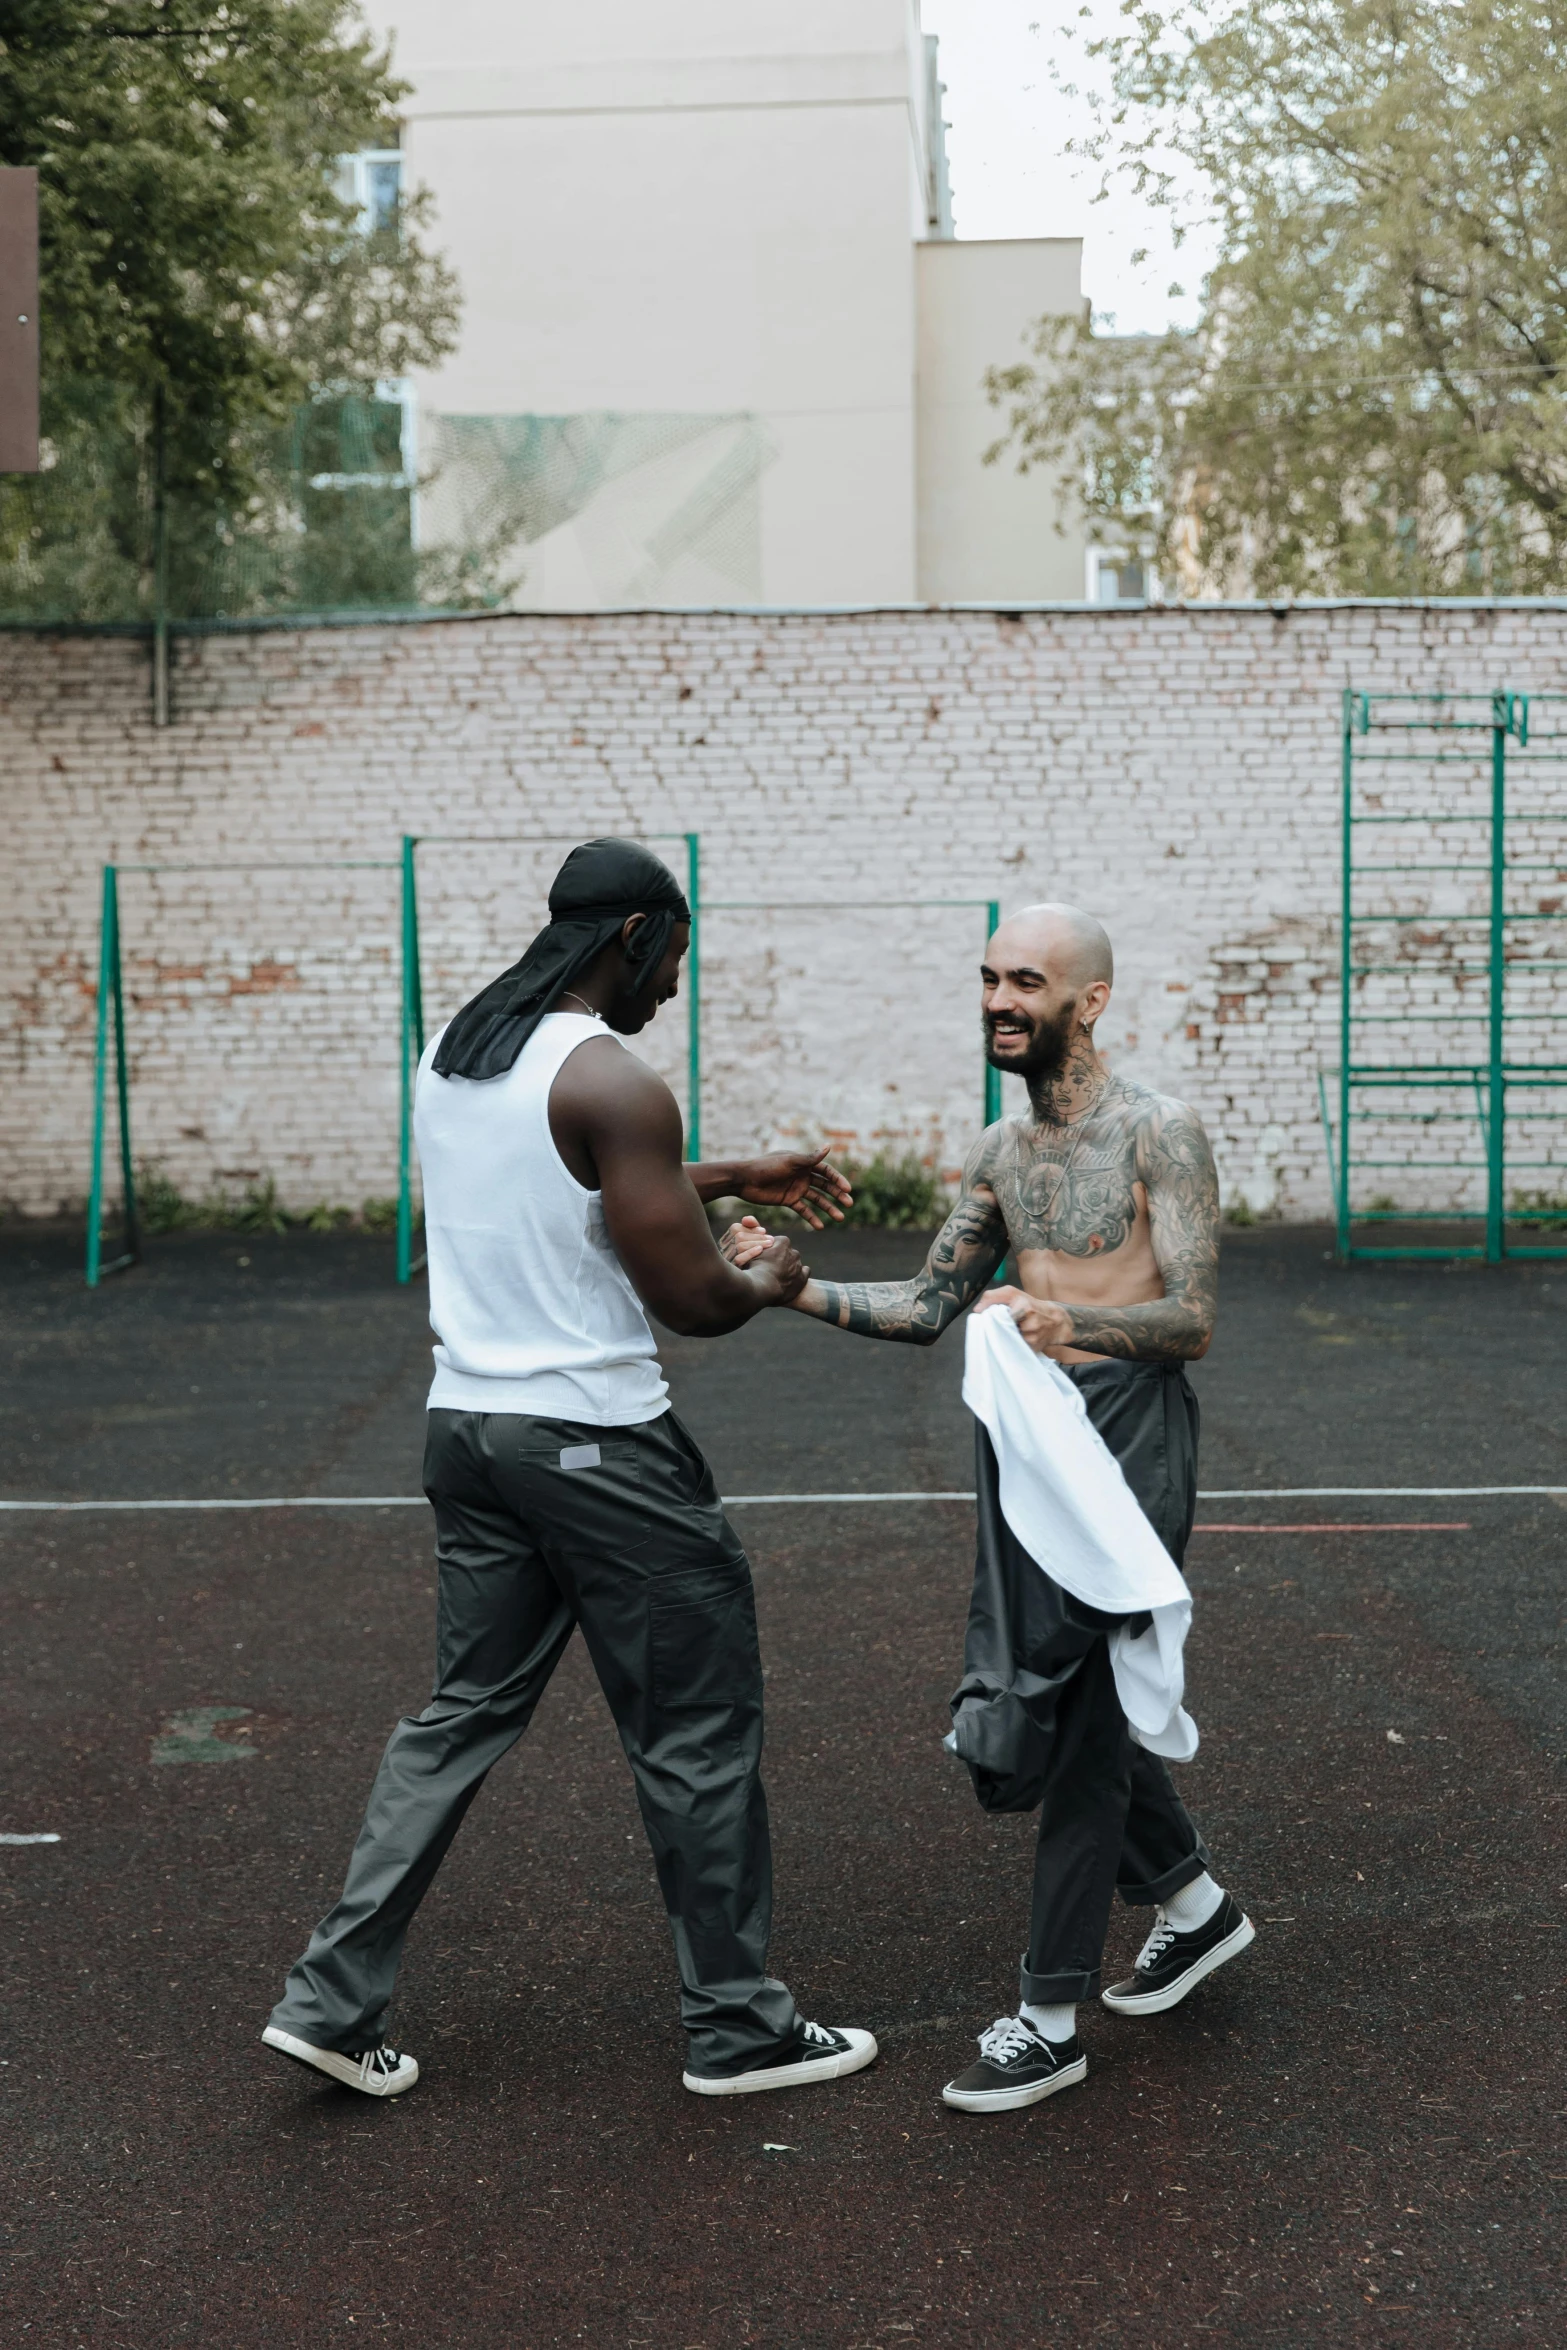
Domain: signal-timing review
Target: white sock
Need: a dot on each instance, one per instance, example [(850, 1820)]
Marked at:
[(1051, 2023), (1194, 1905)]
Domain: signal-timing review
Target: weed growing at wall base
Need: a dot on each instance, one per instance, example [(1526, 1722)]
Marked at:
[(894, 1194), (162, 1207)]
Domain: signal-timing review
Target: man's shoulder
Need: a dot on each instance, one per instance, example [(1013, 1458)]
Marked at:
[(989, 1153), (606, 1092), (1168, 1137), (1150, 1113)]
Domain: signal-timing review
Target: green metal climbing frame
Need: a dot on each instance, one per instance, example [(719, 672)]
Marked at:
[(1454, 887)]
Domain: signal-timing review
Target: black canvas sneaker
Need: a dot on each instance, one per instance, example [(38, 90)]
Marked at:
[(1170, 1964), (379, 2072), (821, 2055), (1016, 2067)]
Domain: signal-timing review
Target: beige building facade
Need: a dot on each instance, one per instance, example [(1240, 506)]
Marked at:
[(720, 344)]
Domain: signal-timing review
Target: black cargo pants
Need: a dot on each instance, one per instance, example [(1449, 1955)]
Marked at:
[(542, 1525), (1110, 1819)]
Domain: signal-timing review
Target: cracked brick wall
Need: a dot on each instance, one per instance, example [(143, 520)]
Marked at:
[(1176, 771)]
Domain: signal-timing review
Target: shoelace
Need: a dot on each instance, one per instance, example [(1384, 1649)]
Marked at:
[(1157, 1943), (379, 2060), (1007, 2037), (820, 2037)]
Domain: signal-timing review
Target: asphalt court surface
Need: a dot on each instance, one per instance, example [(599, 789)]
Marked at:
[(1356, 2132)]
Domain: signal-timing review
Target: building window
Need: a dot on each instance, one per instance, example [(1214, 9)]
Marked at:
[(372, 181), (1117, 576)]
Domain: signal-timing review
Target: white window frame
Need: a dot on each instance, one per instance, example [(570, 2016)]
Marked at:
[(354, 178), (1098, 560), (397, 392)]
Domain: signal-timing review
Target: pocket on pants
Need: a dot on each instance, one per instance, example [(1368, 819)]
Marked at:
[(703, 1639)]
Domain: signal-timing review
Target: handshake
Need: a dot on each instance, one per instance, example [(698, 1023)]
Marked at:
[(749, 1244), (799, 1180)]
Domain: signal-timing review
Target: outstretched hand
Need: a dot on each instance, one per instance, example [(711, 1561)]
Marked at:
[(801, 1180)]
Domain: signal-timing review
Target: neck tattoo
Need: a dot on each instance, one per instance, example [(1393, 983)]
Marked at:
[(1078, 1127)]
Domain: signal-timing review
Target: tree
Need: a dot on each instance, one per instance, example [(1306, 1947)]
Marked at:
[(203, 277), (1373, 399)]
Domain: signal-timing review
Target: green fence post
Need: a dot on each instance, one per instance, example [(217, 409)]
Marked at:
[(992, 1076), (132, 1252), (1496, 1132), (1346, 927), (106, 940), (410, 1053), (694, 988)]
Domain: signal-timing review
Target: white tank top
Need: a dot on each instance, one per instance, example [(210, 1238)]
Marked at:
[(528, 1299)]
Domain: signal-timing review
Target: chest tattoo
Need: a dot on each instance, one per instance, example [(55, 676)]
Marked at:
[(1071, 1189)]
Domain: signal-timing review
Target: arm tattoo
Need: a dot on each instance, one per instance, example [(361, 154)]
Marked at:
[(964, 1255), (1175, 1164)]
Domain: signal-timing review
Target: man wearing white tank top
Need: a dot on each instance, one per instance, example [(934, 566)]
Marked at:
[(558, 1212)]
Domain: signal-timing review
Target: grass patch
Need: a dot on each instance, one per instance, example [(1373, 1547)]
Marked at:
[(894, 1194), (162, 1207), (1546, 1210)]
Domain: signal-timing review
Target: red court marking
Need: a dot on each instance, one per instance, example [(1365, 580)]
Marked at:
[(1343, 1526)]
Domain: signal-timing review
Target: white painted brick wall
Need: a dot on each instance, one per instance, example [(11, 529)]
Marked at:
[(1176, 771)]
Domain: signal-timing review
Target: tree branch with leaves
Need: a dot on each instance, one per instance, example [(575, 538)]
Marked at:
[(1372, 401)]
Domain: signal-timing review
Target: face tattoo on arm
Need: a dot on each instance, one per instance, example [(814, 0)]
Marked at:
[(964, 1255)]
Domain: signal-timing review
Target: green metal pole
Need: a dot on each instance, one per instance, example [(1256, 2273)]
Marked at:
[(410, 1023), (992, 1076), (694, 999), (132, 1255), (106, 931), (1496, 1135), (160, 559), (1346, 926)]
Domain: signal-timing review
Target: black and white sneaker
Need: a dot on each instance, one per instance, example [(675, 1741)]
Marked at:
[(821, 2055), (1016, 2067), (1170, 1964), (379, 2072)]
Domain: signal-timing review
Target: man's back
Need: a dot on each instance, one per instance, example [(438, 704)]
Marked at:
[(531, 1306)]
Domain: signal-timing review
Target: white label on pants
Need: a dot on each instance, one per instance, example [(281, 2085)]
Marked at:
[(580, 1456)]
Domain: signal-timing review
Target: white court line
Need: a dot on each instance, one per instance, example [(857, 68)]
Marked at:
[(44, 1839), (414, 1501)]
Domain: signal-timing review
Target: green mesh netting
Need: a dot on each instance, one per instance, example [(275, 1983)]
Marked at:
[(345, 514)]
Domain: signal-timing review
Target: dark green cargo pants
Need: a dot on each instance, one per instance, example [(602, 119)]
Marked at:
[(542, 1525)]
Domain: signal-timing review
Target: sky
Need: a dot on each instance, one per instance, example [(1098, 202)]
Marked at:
[(1009, 125)]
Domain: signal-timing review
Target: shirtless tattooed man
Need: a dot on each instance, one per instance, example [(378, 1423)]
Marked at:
[(1104, 1195)]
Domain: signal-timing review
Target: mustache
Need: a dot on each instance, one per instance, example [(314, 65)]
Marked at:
[(1011, 1023)]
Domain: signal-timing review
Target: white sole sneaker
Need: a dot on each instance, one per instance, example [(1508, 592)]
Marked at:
[(1156, 2002), (355, 2072), (860, 2052), (1009, 2100)]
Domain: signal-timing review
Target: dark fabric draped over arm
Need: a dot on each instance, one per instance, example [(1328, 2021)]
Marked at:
[(597, 890)]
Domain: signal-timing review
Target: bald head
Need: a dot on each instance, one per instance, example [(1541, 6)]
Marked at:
[(1062, 942), (1045, 980)]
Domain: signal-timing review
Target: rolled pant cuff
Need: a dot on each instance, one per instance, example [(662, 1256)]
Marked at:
[(349, 2046), (1185, 1872), (1056, 1990)]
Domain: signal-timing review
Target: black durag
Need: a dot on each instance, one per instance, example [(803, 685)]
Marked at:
[(593, 895)]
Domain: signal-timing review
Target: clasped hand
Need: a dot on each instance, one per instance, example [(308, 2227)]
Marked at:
[(1042, 1323)]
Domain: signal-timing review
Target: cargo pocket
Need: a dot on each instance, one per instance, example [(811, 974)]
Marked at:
[(704, 1650)]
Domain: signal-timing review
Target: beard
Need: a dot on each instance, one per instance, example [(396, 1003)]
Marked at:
[(1045, 1055)]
